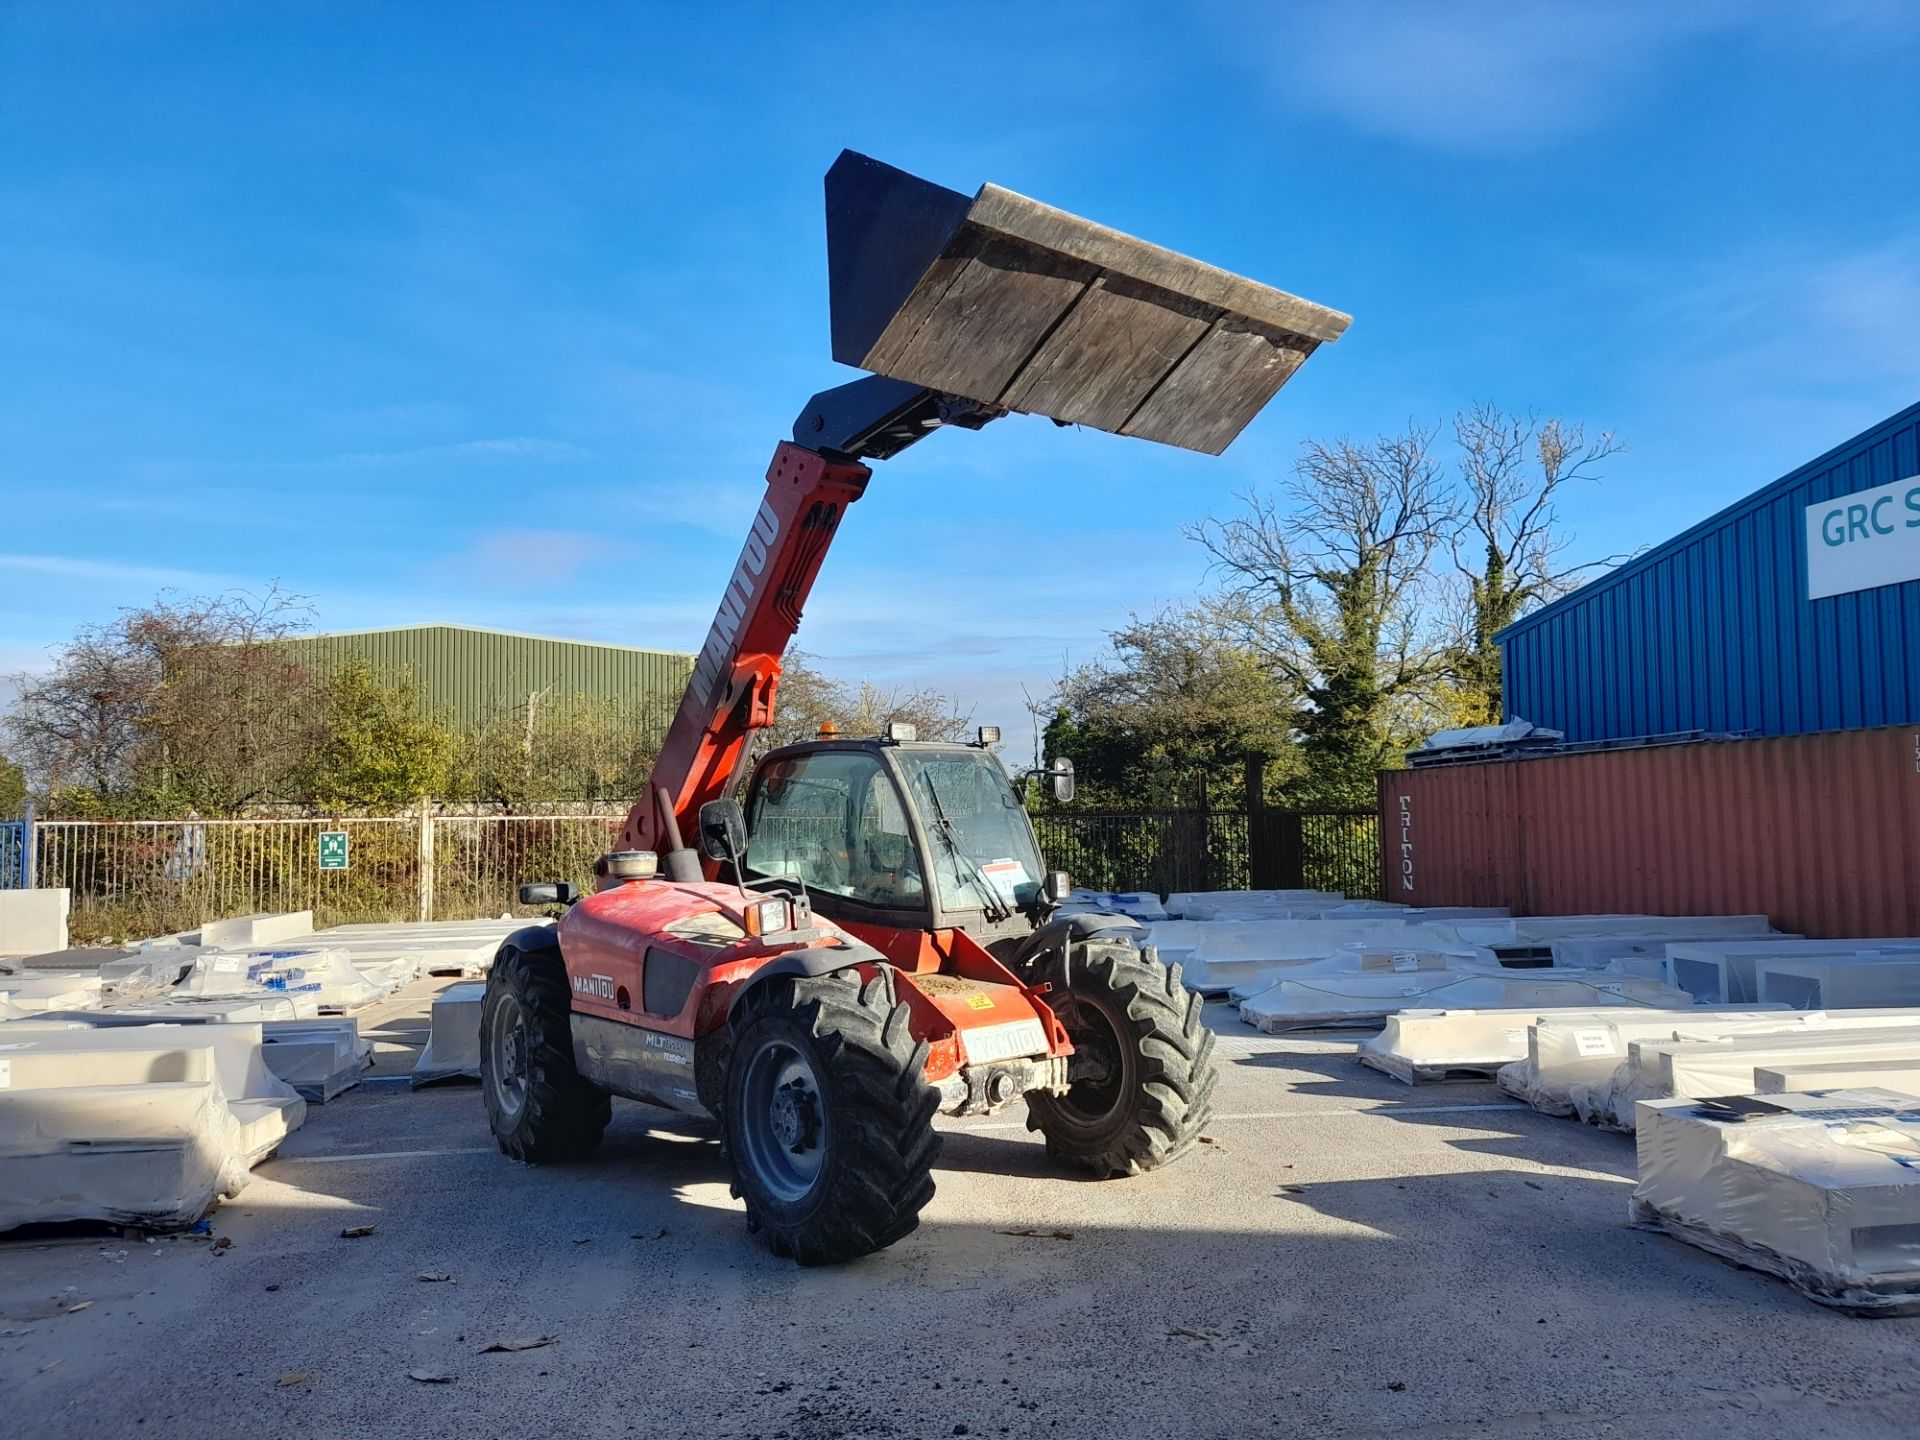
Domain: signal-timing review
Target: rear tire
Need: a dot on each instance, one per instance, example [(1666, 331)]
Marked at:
[(538, 1106), (1144, 1090), (829, 1119)]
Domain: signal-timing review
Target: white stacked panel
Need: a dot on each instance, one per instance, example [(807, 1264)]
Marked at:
[(1825, 1194), (1226, 954), (1549, 929), (1136, 904), (1900, 1076), (242, 931), (1690, 1067), (151, 1154), (1721, 972), (1564, 1054), (1246, 904), (1808, 983), (319, 1058), (452, 1050), (26, 992), (134, 1124), (1427, 1045), (323, 973), (33, 922), (1369, 999)]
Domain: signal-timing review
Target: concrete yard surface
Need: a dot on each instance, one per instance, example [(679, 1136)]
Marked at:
[(1346, 1257)]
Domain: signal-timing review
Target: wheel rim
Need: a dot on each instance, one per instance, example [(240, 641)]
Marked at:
[(1099, 1068), (783, 1120), (507, 1052)]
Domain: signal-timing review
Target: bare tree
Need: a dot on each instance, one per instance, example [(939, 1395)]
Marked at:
[(191, 702), (808, 700), (1331, 590), (1509, 542)]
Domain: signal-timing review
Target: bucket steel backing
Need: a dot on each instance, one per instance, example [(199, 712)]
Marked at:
[(1010, 302)]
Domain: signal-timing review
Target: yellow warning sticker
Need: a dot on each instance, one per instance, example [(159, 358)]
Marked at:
[(979, 1001)]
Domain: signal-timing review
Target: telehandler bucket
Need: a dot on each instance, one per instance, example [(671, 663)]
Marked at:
[(1010, 302)]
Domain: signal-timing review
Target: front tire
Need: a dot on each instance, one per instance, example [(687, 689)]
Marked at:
[(1141, 1076), (829, 1118), (539, 1107)]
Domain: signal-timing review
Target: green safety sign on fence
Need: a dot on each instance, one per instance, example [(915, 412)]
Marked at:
[(333, 849)]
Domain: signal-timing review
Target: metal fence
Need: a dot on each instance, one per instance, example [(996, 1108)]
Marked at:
[(14, 854), (132, 878), (1220, 850)]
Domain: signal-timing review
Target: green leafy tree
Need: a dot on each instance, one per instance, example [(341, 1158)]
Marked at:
[(377, 750), (13, 789), (1170, 718), (538, 752)]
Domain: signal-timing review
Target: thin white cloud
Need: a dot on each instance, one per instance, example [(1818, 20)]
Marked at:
[(1500, 77), (529, 559), (517, 447), (111, 572)]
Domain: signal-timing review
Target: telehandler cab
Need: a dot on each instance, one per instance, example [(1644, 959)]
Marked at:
[(873, 940)]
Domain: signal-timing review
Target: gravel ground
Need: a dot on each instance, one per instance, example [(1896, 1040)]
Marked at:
[(1347, 1257)]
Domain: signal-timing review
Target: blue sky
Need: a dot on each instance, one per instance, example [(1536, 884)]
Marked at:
[(493, 313)]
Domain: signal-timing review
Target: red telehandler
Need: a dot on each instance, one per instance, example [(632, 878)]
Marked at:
[(873, 939)]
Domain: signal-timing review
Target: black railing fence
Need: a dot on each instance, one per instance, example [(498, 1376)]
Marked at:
[(1174, 850)]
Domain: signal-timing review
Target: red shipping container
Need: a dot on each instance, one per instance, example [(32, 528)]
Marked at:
[(1820, 832)]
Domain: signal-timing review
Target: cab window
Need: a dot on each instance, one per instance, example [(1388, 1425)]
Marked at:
[(834, 820)]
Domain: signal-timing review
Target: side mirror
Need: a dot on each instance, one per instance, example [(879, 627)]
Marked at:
[(550, 892), (1060, 773), (723, 830), (1056, 887)]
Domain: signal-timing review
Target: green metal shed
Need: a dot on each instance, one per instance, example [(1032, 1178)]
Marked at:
[(470, 675)]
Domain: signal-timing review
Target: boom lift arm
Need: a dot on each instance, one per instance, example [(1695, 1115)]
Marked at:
[(736, 675), (962, 309)]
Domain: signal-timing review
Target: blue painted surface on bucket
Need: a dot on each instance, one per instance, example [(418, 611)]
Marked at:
[(1713, 631)]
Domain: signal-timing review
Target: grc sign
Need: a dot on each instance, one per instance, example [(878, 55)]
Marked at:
[(1864, 540)]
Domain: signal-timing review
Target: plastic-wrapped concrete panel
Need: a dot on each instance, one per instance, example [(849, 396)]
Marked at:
[(1549, 929), (1806, 983), (57, 1053), (154, 1154), (1690, 1066), (1423, 1046), (319, 1058), (1721, 972), (1600, 952), (186, 1009), (1563, 1054), (1900, 1076), (28, 992), (1427, 962), (1369, 999), (1820, 1190), (34, 922), (1141, 905), (1240, 953), (244, 930), (452, 1050), (1245, 904), (325, 973), (140, 974)]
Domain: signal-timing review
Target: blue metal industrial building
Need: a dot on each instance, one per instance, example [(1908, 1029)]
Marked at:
[(1716, 630)]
